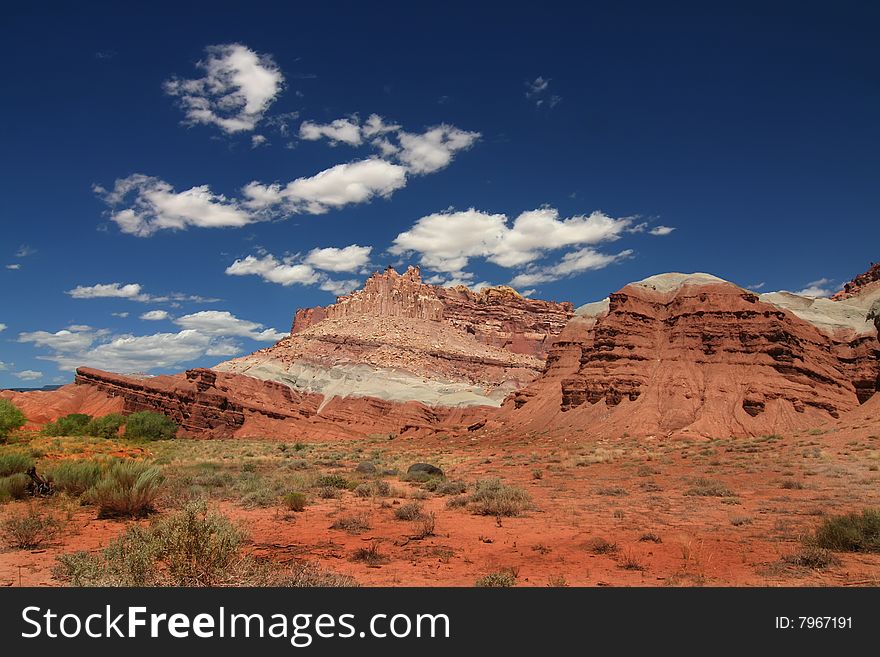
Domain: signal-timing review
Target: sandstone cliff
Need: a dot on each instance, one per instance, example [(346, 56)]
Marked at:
[(694, 354)]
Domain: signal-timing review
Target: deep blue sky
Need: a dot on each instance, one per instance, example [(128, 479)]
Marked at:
[(752, 130)]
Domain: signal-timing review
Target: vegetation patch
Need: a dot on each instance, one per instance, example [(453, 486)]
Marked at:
[(192, 547), (852, 532), (491, 497), (500, 579)]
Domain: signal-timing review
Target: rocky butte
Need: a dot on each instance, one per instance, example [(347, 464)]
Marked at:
[(693, 354), (672, 355)]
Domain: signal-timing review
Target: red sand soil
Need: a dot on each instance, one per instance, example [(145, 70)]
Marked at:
[(619, 490)]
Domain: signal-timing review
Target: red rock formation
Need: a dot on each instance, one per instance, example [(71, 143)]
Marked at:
[(671, 355), (860, 283), (706, 357), (496, 316), (41, 406), (212, 404)]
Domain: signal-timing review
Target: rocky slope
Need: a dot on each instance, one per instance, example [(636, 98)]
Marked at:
[(397, 356), (693, 354), (672, 355), (400, 340)]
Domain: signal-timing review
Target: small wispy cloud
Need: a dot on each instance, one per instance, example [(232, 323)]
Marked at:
[(132, 292), (817, 288), (538, 91)]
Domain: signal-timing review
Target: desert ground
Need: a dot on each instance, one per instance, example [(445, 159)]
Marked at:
[(573, 510)]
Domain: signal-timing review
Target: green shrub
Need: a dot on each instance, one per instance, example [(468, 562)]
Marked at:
[(11, 417), (74, 424), (198, 548), (14, 462), (193, 547), (14, 487), (493, 498), (105, 427), (75, 477), (502, 579), (853, 532), (295, 501), (148, 425), (409, 511), (127, 489), (29, 530), (331, 481)]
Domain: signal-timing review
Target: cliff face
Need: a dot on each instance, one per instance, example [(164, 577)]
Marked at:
[(860, 284), (674, 354), (396, 356), (696, 354), (210, 404), (401, 340), (495, 316)]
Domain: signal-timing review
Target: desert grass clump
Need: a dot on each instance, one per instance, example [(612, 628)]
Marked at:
[(15, 462), (127, 489), (295, 501), (599, 545), (370, 555), (852, 532), (650, 537), (792, 484), (409, 511), (147, 425), (376, 488), (630, 561), (499, 579), (75, 477), (491, 497), (425, 526), (451, 488), (811, 557), (702, 487), (14, 487), (612, 491), (352, 523), (457, 502), (30, 529)]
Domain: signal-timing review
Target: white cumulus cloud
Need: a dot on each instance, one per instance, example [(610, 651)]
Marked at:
[(29, 375), (574, 262), (133, 292), (446, 241), (141, 205), (203, 334), (336, 187), (818, 288), (237, 88), (349, 259), (434, 149), (306, 270), (155, 315), (224, 323), (347, 131)]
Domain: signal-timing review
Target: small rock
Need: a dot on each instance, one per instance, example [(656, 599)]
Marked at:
[(366, 467)]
